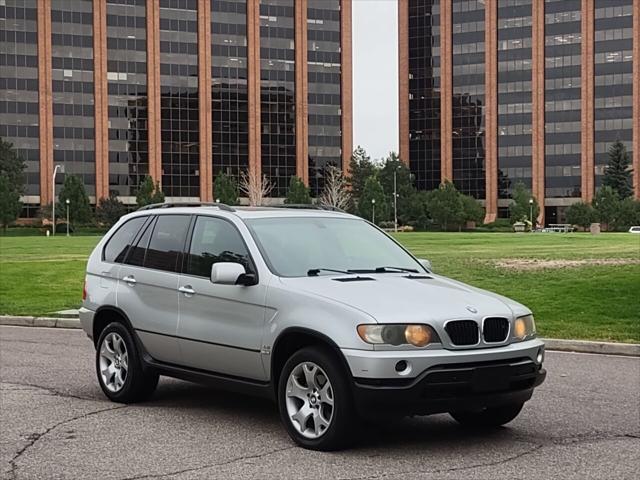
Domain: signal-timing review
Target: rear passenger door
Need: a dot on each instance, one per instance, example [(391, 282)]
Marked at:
[(148, 285), (220, 326)]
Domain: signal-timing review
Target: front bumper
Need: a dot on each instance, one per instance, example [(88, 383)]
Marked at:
[(449, 388), (440, 381)]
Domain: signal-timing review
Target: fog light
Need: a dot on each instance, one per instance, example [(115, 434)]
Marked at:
[(401, 365), (403, 368), (540, 357)]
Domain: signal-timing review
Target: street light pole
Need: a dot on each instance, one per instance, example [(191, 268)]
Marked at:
[(53, 201), (531, 213), (67, 202), (395, 200), (373, 211)]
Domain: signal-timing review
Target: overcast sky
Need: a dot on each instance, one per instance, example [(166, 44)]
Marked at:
[(375, 76)]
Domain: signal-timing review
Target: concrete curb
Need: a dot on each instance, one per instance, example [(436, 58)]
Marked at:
[(49, 322), (581, 346)]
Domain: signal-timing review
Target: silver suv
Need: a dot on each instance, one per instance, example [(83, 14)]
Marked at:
[(318, 310)]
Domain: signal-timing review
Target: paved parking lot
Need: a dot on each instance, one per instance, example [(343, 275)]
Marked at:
[(584, 422)]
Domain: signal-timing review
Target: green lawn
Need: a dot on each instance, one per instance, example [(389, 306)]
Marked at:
[(596, 298)]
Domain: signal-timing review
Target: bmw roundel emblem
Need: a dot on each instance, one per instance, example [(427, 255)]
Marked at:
[(472, 309)]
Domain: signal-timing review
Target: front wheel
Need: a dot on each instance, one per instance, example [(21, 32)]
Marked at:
[(315, 401), (488, 417)]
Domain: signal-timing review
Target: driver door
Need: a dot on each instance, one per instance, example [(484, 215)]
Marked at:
[(220, 326)]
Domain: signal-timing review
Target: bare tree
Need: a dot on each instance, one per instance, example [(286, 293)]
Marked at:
[(255, 188), (336, 190)]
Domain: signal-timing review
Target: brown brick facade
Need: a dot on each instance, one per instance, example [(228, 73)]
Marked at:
[(204, 100), (446, 92), (537, 107), (253, 66), (491, 110), (346, 86), (302, 95), (403, 79), (45, 99), (101, 98), (587, 118), (636, 98), (153, 89)]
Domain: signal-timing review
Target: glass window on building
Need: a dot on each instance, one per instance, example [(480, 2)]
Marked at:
[(424, 92), (562, 98), (278, 100), (19, 111), (613, 78), (229, 87), (324, 70), (128, 100), (72, 89), (180, 135), (468, 97), (514, 94)]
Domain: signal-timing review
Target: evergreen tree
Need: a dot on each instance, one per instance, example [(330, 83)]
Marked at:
[(225, 189), (79, 206), (519, 208), (445, 206), (628, 213), (404, 186), (617, 175), (109, 210), (472, 210), (607, 205), (581, 214), (373, 191), (298, 193), (10, 204), (12, 183), (360, 169), (149, 193)]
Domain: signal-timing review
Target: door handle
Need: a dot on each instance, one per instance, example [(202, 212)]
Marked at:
[(187, 290), (130, 279)]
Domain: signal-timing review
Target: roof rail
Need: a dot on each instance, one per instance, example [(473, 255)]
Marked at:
[(221, 206), (309, 206)]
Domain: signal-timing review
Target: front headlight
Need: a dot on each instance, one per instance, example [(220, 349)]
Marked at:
[(524, 327), (416, 335)]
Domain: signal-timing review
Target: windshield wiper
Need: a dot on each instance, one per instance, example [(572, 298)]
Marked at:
[(385, 270), (315, 271)]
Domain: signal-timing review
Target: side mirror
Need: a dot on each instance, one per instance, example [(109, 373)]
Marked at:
[(230, 273), (426, 263)]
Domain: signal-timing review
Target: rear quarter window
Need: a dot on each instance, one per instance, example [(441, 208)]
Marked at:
[(118, 245)]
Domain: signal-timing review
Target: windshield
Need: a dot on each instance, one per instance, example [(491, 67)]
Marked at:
[(294, 246)]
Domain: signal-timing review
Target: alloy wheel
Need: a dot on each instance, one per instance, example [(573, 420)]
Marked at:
[(309, 400), (114, 362)]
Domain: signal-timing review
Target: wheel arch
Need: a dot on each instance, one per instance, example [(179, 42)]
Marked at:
[(107, 314), (293, 339)]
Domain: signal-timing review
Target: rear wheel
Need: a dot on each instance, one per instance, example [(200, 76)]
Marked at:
[(315, 401), (488, 417), (119, 367)]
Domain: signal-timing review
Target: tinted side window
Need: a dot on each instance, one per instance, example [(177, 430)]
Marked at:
[(167, 242), (119, 243), (215, 240), (138, 251)]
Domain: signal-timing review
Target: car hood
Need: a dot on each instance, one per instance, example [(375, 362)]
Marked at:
[(395, 298)]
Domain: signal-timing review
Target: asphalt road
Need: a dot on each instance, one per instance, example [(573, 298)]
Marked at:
[(584, 422)]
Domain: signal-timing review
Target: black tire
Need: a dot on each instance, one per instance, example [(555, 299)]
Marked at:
[(139, 383), (488, 417), (339, 434)]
